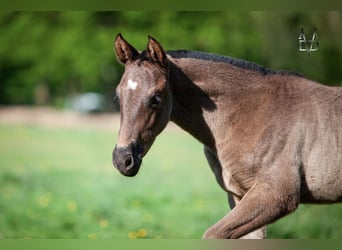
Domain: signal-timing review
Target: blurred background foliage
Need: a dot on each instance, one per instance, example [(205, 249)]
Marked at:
[(46, 56)]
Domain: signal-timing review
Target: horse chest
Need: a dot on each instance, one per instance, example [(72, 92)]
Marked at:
[(235, 176), (230, 184)]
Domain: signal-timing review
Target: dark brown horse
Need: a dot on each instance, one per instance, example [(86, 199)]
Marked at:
[(273, 139)]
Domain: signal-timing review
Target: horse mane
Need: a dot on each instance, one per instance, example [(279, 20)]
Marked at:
[(227, 59)]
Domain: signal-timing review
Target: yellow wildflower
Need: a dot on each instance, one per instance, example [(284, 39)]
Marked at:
[(44, 200), (72, 206), (132, 235), (103, 223), (142, 233), (92, 236)]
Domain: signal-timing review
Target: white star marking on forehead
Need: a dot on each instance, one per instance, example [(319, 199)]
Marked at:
[(132, 84)]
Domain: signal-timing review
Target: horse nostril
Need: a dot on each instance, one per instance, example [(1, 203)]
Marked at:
[(129, 162)]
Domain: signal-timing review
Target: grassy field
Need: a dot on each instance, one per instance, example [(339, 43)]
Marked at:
[(60, 183)]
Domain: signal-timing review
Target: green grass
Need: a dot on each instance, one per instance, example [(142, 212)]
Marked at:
[(60, 183)]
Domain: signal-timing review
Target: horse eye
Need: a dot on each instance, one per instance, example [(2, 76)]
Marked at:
[(155, 101)]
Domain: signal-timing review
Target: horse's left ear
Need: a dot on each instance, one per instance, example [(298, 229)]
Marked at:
[(155, 51)]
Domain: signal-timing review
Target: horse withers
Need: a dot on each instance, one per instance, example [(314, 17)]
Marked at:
[(273, 139)]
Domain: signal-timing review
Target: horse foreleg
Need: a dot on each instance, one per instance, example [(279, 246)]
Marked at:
[(261, 205), (260, 233), (233, 200)]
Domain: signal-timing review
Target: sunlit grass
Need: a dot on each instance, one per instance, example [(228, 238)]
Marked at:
[(60, 183)]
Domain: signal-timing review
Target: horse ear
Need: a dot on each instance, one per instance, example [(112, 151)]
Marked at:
[(124, 51), (155, 51)]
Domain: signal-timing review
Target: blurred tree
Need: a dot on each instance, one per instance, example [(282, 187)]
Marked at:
[(58, 53), (67, 52), (280, 31)]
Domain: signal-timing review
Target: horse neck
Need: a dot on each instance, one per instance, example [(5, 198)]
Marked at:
[(200, 91)]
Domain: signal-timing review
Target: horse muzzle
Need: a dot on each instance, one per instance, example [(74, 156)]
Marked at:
[(128, 159)]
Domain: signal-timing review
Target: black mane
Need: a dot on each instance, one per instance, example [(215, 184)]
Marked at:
[(225, 59)]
